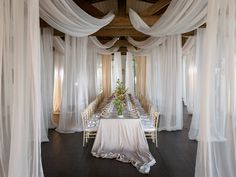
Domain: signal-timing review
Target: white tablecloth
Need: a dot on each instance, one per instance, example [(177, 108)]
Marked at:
[(124, 140)]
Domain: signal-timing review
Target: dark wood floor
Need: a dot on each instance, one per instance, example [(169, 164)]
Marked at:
[(64, 156)]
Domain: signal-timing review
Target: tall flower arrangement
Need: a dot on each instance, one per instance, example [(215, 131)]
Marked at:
[(119, 101)]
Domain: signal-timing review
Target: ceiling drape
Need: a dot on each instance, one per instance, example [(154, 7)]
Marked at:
[(69, 18), (107, 45), (181, 16), (148, 43)]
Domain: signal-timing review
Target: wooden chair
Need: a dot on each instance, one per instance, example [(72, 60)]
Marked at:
[(150, 127), (89, 127)]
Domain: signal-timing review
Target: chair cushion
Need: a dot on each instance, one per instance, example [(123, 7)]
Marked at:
[(92, 125), (147, 125)]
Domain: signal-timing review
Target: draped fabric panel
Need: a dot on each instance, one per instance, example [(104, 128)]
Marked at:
[(116, 70), (97, 43), (20, 105), (6, 103), (75, 84), (46, 81), (59, 44), (216, 154), (137, 52), (68, 17), (141, 75), (148, 43), (189, 73), (109, 51), (106, 74), (99, 74), (180, 17), (95, 48), (129, 73), (164, 82), (58, 57), (198, 65), (92, 66), (58, 80)]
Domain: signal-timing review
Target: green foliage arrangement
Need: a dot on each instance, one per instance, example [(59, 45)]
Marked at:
[(119, 97)]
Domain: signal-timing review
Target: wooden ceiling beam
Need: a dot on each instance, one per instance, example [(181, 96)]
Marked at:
[(118, 32), (121, 26), (94, 1), (89, 8), (124, 21), (159, 5), (150, 1), (121, 7)]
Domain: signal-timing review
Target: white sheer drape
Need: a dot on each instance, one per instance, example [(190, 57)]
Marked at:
[(58, 44), (164, 82), (129, 73), (46, 81), (20, 105), (75, 84), (148, 43), (108, 51), (189, 73), (58, 57), (197, 68), (216, 155), (107, 45), (66, 16), (116, 70), (181, 16), (92, 64), (95, 49)]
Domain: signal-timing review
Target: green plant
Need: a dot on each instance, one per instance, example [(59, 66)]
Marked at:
[(119, 97), (119, 104)]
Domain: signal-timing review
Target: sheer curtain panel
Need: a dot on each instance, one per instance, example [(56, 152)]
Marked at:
[(20, 105), (75, 84), (58, 58), (106, 75), (47, 81), (141, 75), (199, 62), (189, 73), (164, 81), (95, 48), (116, 70), (129, 73), (216, 154), (92, 64)]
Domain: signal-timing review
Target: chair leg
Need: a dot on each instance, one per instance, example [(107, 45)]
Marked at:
[(153, 137), (87, 135), (156, 139), (83, 138)]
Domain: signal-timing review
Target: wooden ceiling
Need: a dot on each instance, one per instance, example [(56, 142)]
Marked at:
[(121, 26)]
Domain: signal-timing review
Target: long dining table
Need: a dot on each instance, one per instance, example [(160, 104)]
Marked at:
[(123, 139)]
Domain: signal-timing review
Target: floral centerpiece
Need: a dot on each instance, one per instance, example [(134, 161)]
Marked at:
[(119, 100)]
